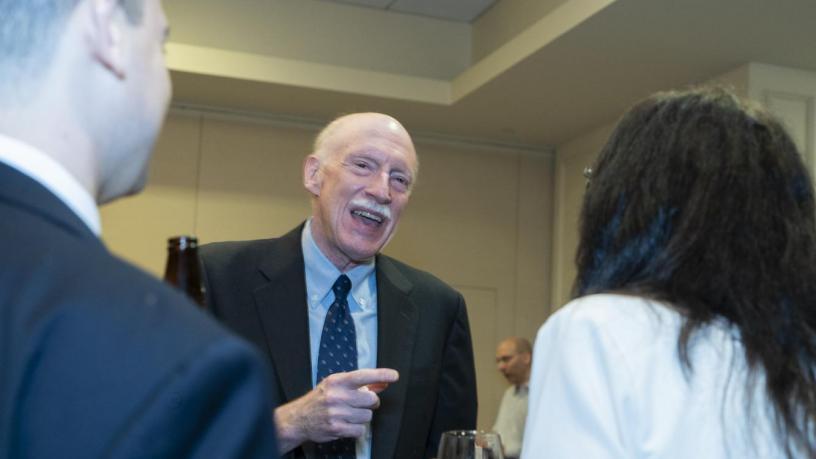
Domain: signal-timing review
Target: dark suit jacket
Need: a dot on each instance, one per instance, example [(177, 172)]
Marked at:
[(98, 359), (258, 288)]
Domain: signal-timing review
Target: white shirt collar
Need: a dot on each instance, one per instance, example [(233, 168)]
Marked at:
[(522, 388), (321, 274), (53, 176)]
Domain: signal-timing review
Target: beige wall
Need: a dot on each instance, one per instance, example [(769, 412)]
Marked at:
[(480, 218), (791, 95), (570, 184)]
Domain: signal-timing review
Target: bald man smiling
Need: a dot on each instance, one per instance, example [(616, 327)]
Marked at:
[(372, 358)]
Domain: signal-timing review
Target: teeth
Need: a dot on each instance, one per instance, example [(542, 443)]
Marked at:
[(368, 215)]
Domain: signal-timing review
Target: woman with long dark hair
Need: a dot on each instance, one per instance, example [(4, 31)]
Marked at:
[(693, 329)]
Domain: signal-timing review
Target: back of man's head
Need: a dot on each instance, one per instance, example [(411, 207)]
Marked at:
[(29, 33), (85, 82)]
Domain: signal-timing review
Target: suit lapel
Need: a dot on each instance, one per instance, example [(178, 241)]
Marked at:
[(281, 307), (397, 319)]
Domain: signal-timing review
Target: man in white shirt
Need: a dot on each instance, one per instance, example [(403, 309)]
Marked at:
[(513, 359), (98, 358)]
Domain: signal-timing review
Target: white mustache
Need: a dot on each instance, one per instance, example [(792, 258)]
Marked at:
[(373, 206)]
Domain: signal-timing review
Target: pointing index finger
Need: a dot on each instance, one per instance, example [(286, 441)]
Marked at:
[(366, 376)]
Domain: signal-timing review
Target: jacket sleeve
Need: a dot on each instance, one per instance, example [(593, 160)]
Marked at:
[(456, 405)]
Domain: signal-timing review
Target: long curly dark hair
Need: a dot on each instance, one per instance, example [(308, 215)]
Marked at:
[(701, 200)]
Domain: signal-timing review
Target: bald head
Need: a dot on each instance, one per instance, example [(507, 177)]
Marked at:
[(336, 135), (514, 358), (521, 345)]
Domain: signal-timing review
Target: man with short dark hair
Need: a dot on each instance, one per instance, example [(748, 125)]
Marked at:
[(513, 360), (337, 318), (98, 358)]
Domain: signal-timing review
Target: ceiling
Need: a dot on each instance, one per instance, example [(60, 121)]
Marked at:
[(450, 10), (553, 77)]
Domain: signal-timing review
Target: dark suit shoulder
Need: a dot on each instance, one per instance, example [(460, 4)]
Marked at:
[(230, 252), (101, 347), (417, 278), (77, 292), (242, 266)]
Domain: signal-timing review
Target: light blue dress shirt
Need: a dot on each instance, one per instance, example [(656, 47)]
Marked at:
[(362, 300)]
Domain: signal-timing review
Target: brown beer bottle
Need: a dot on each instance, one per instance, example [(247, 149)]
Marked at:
[(184, 269)]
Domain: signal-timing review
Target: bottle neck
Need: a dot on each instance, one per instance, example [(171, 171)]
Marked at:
[(181, 243), (182, 269)]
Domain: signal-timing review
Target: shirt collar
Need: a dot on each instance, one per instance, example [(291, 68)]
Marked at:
[(523, 388), (53, 176), (322, 273)]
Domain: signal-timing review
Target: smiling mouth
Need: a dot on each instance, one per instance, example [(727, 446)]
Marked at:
[(368, 216)]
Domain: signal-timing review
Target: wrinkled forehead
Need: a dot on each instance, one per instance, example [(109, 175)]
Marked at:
[(375, 133)]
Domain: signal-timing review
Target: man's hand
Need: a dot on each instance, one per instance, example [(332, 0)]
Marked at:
[(339, 407)]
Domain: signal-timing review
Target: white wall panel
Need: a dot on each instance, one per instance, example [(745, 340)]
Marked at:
[(791, 95)]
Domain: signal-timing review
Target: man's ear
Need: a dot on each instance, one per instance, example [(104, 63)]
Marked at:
[(312, 177), (104, 35)]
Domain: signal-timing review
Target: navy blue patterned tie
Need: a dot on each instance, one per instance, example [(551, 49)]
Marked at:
[(338, 353)]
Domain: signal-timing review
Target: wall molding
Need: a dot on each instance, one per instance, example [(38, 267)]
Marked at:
[(314, 125)]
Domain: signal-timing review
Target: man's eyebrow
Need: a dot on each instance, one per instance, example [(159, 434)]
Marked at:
[(371, 155)]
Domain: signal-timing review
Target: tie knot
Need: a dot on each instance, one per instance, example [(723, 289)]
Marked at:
[(341, 287)]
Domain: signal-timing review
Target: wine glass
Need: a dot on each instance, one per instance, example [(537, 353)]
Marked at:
[(470, 444)]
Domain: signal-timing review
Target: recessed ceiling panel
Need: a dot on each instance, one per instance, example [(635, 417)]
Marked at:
[(381, 4), (452, 10)]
